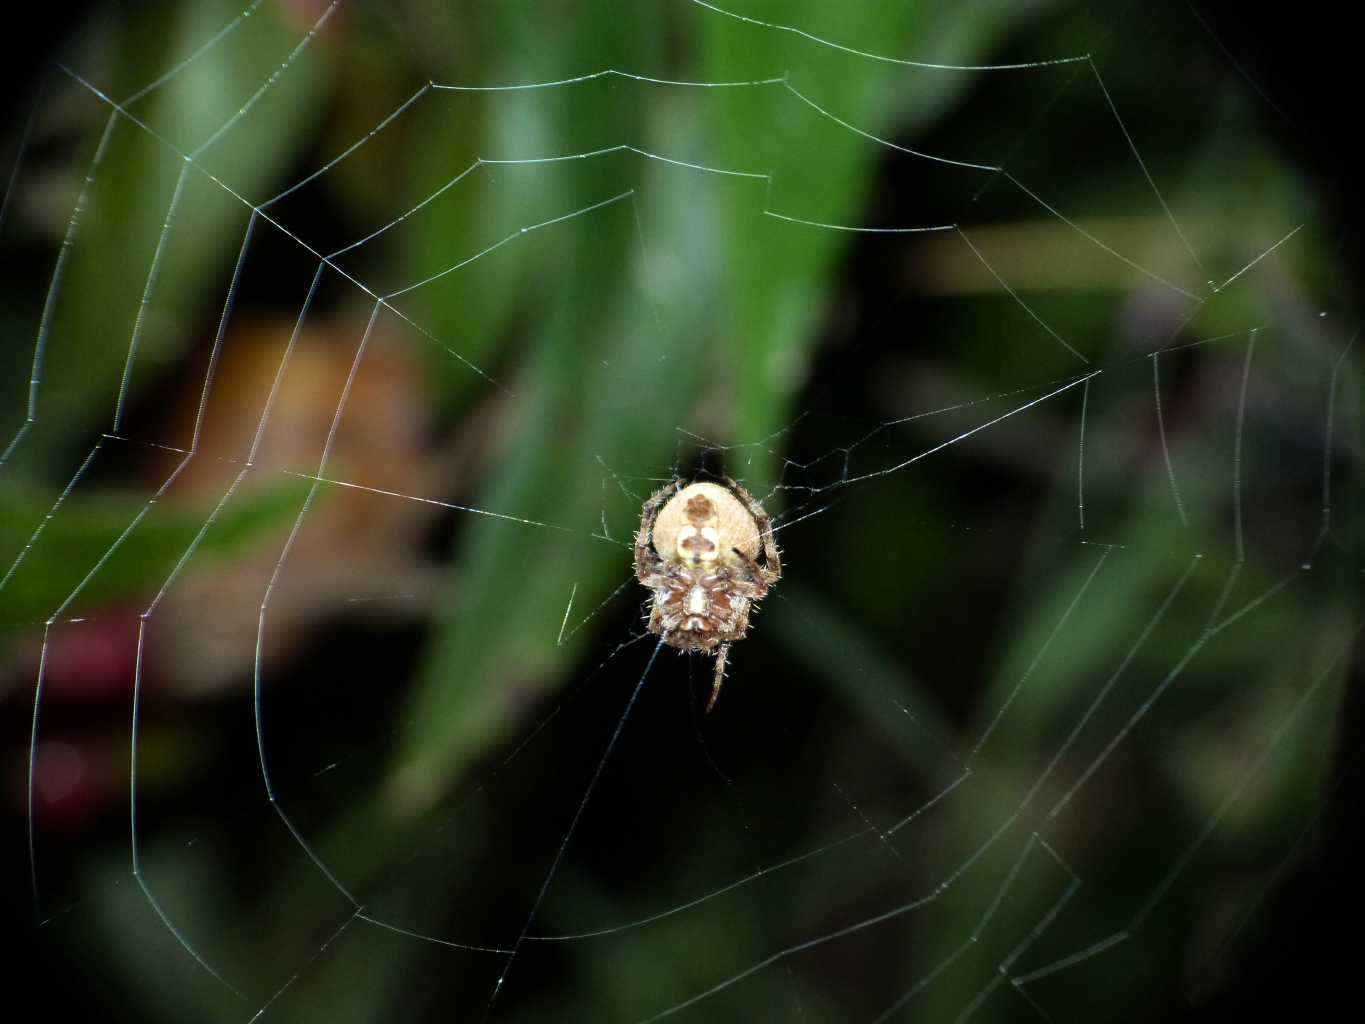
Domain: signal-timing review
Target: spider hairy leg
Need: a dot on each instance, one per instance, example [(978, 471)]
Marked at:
[(721, 655)]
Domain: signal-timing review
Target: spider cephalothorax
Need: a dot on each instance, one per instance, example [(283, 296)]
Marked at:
[(698, 550)]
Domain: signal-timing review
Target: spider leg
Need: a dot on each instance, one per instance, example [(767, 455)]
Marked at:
[(741, 623), (762, 578), (721, 654), (771, 571), (646, 559)]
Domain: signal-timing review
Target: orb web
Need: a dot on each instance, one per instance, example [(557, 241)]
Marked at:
[(354, 357)]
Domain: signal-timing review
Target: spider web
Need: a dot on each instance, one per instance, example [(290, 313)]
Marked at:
[(1047, 700)]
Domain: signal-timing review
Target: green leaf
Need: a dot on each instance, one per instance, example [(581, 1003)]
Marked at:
[(87, 527)]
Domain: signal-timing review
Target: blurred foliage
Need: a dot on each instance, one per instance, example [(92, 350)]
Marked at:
[(633, 319), (98, 530), (733, 334)]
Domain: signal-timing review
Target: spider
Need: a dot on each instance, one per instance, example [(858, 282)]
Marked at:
[(697, 550)]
